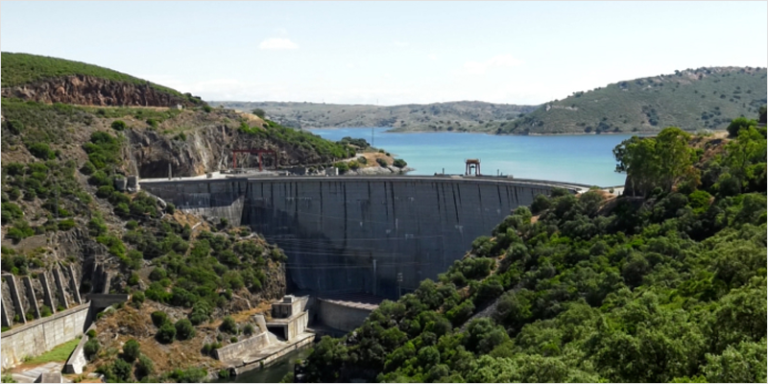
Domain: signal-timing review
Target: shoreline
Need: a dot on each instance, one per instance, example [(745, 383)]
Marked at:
[(391, 130)]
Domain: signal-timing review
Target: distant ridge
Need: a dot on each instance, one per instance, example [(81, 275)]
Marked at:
[(693, 99)]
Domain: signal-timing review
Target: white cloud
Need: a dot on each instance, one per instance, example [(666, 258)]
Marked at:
[(278, 44), (432, 56), (481, 67), (400, 44)]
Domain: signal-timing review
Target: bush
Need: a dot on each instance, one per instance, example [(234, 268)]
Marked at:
[(170, 208), (45, 311), (118, 125), (259, 112), (158, 274), (382, 162), (91, 348), (184, 329), (91, 333), (41, 151), (248, 330), (362, 160), (131, 350), (138, 299), (400, 163), (66, 225), (122, 371), (166, 334), (207, 109), (159, 318), (88, 168), (342, 166), (228, 325), (134, 279), (144, 367)]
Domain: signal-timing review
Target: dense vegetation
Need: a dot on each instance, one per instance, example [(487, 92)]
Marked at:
[(302, 139), (666, 286), (691, 99), (459, 116), (23, 68)]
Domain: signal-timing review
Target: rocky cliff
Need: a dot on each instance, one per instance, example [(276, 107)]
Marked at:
[(89, 90)]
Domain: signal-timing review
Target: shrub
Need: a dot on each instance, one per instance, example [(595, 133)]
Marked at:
[(228, 325), (158, 274), (400, 163), (66, 225), (166, 334), (118, 125), (233, 339), (159, 318), (362, 160), (41, 151), (184, 329), (131, 350), (45, 311), (259, 112), (248, 329), (122, 371), (15, 126), (91, 333), (382, 162), (144, 367), (88, 168), (170, 208), (138, 299), (342, 166), (207, 109), (134, 279), (91, 348)]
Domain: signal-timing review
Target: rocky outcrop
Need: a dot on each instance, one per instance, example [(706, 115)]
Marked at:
[(207, 149), (89, 90)]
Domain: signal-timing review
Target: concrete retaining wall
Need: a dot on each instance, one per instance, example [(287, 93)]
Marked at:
[(333, 228), (341, 317), (235, 351), (42, 335)]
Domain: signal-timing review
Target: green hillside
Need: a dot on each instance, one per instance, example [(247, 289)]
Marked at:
[(458, 116), (704, 98), (668, 286), (23, 68)]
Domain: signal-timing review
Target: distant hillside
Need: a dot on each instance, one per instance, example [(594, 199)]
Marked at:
[(460, 116), (49, 79), (704, 98)]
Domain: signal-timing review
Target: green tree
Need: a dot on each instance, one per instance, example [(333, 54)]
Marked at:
[(131, 350), (738, 124)]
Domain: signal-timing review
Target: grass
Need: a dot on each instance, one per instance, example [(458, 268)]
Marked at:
[(59, 353), (22, 68), (705, 98)]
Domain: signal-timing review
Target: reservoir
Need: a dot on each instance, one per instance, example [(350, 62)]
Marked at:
[(585, 159)]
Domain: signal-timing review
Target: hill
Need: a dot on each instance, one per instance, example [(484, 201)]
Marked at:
[(693, 99), (669, 286), (65, 204), (459, 116), (50, 79)]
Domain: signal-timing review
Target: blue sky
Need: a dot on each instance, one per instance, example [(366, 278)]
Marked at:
[(393, 53)]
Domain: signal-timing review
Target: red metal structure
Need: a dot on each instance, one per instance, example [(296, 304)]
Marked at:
[(472, 165), (258, 152)]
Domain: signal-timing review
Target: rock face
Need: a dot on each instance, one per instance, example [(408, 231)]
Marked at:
[(207, 149), (88, 90)]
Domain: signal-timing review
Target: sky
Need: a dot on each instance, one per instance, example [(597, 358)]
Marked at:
[(390, 53)]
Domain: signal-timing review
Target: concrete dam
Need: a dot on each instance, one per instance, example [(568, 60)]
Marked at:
[(372, 235)]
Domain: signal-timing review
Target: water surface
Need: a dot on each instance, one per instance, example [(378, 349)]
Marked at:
[(586, 159)]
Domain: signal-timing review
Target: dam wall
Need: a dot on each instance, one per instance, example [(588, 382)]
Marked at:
[(359, 234)]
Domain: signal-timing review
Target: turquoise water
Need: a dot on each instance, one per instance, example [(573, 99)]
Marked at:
[(586, 159)]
